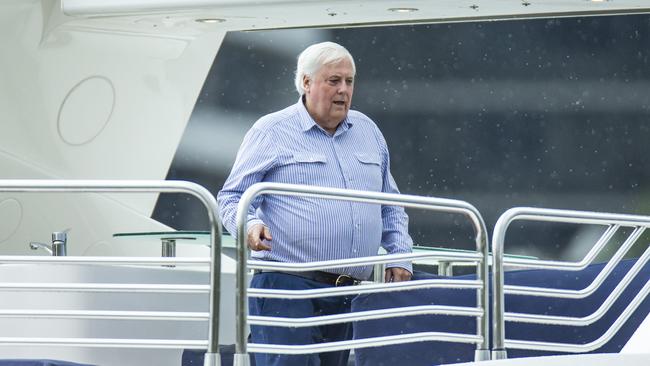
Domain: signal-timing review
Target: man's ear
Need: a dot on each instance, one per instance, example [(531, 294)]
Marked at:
[(305, 82)]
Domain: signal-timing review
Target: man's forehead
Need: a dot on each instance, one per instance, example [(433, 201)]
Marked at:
[(341, 68)]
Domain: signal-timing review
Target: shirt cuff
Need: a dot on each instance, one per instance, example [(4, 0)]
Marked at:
[(253, 222), (406, 265)]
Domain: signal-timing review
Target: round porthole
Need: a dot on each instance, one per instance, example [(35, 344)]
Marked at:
[(86, 110)]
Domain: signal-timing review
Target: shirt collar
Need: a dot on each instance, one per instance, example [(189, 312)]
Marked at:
[(307, 123)]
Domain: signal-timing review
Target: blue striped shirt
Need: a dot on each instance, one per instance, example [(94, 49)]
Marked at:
[(289, 147)]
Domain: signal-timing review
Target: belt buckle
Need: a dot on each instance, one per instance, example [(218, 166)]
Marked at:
[(341, 280)]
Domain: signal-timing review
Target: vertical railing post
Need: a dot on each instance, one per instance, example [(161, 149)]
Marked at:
[(378, 273), (498, 298), (482, 352), (241, 357), (212, 357)]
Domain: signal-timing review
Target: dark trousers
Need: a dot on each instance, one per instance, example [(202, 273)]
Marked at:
[(298, 309)]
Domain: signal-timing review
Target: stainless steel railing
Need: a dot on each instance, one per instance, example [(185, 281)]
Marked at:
[(613, 223), (122, 186), (427, 203)]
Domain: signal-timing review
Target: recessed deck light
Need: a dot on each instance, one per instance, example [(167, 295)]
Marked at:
[(210, 20), (403, 10)]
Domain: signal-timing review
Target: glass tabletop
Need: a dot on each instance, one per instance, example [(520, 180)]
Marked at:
[(435, 261), (179, 237), (420, 248), (228, 241)]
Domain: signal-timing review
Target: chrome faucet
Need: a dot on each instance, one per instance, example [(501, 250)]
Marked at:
[(58, 247), (35, 245)]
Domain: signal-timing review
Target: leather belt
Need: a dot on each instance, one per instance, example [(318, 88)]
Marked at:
[(332, 279)]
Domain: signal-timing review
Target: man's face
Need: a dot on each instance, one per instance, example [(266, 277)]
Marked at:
[(328, 94)]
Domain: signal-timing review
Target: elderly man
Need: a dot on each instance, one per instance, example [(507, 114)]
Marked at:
[(317, 141)]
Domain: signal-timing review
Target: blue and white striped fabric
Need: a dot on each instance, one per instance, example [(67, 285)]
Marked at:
[(289, 147)]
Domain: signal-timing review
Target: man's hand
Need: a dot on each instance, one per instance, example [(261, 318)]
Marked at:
[(256, 234), (396, 274)]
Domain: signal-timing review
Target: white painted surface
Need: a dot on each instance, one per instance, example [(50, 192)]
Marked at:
[(240, 14), (640, 340), (11, 213), (598, 359)]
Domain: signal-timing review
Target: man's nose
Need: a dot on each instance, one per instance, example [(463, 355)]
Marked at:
[(343, 88)]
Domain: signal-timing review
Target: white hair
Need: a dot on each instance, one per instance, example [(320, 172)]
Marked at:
[(316, 56)]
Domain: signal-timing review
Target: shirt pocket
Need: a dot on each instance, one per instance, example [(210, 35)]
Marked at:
[(369, 172), (302, 168)]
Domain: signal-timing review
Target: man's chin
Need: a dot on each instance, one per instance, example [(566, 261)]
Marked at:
[(339, 116), (340, 112)]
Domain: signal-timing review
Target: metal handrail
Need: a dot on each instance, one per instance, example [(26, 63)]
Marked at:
[(426, 203), (362, 343), (367, 289), (351, 262), (591, 346), (364, 315), (106, 343), (106, 315), (568, 266), (105, 287), (591, 318), (592, 287), (562, 216), (162, 261), (140, 186), (366, 343)]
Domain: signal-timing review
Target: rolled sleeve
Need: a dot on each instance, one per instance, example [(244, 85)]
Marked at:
[(395, 238)]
